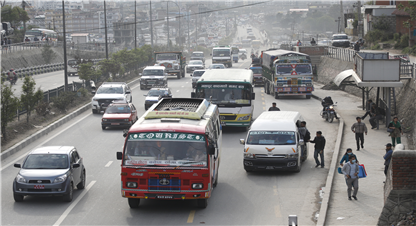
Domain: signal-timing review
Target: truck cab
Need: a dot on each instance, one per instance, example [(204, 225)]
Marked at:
[(198, 55), (174, 63), (222, 55), (153, 76)]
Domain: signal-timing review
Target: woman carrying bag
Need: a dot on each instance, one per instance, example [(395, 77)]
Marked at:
[(346, 156), (395, 130)]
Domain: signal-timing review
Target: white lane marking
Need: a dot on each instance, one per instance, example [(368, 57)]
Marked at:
[(183, 86), (14, 161), (177, 91), (73, 204), (108, 164), (277, 211)]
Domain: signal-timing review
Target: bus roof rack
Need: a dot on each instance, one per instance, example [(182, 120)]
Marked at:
[(187, 108)]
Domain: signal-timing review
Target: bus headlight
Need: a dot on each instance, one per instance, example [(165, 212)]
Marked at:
[(197, 186), (249, 155), (244, 118), (131, 184)]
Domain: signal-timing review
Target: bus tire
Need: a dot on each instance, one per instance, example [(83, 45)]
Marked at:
[(202, 203), (308, 96), (216, 180), (134, 203), (178, 75), (276, 96)]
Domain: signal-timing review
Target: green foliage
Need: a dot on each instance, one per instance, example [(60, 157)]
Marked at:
[(381, 24), (375, 47), (14, 15), (42, 108), (9, 106), (410, 50), (62, 101), (373, 36), (355, 23), (83, 91), (404, 42), (396, 37), (87, 72), (48, 54), (29, 98)]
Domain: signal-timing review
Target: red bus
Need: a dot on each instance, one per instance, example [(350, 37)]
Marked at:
[(172, 152)]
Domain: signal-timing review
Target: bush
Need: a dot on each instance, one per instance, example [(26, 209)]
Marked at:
[(42, 108), (61, 102), (375, 47), (404, 42), (396, 37), (83, 91)]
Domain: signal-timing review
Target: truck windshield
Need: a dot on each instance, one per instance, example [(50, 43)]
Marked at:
[(220, 52), (166, 57), (271, 138), (165, 149), (197, 55), (72, 62), (225, 94), (256, 70), (303, 68), (153, 72)]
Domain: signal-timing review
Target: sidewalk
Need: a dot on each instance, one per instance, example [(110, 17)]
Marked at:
[(367, 209)]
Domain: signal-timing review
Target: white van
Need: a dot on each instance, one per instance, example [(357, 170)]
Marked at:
[(274, 143)]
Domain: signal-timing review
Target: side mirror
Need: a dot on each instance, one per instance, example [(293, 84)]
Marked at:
[(140, 74), (125, 132), (119, 155), (211, 150), (76, 165), (17, 165), (253, 96), (242, 141), (93, 91), (134, 111), (301, 142), (128, 92), (193, 95)]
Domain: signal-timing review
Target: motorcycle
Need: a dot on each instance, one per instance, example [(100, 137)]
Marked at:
[(12, 80), (329, 113), (243, 56)]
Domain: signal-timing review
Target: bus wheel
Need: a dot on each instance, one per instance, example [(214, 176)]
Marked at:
[(202, 203), (276, 95), (134, 203), (308, 96), (179, 75), (216, 180)]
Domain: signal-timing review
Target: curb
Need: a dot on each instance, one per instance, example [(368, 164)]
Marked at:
[(332, 171), (19, 146)]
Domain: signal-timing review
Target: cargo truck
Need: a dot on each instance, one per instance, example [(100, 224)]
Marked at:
[(287, 73)]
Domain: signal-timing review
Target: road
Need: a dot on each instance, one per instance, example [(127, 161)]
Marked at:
[(240, 198), (46, 81)]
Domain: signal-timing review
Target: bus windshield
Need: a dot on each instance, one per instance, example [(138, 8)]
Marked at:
[(166, 149), (220, 52), (225, 94)]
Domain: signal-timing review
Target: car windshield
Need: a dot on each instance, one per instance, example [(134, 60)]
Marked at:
[(46, 161), (155, 93), (166, 149), (225, 94), (256, 70), (271, 138), (108, 90), (152, 72), (197, 55), (118, 109), (338, 37), (72, 62), (198, 73), (195, 62), (217, 66), (166, 57), (220, 52)]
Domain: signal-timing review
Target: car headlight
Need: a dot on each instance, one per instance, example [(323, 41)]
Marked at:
[(104, 120), (131, 184), (292, 156), (197, 186), (60, 179), (249, 155), (95, 99), (20, 179), (243, 118)]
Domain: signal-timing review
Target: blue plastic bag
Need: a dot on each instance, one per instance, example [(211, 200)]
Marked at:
[(362, 173), (340, 170)]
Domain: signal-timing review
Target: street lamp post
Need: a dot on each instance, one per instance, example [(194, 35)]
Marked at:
[(167, 17)]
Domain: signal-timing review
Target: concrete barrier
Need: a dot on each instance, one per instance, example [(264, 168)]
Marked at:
[(19, 146)]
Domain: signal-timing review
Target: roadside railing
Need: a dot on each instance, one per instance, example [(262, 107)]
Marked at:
[(24, 46), (344, 54)]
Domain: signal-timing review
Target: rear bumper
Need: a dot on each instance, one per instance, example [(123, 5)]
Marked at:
[(293, 91), (272, 164), (116, 124), (143, 194)]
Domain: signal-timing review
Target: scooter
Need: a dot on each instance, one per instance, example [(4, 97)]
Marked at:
[(329, 113), (12, 81)]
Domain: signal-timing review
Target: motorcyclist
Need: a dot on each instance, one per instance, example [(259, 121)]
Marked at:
[(12, 76), (252, 56), (326, 102)]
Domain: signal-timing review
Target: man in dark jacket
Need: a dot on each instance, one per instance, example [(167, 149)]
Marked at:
[(273, 107), (319, 142), (305, 135), (387, 158)]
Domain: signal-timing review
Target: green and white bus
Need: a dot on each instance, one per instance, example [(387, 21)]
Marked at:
[(232, 90)]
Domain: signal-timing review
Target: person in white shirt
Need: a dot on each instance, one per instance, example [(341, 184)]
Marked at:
[(350, 171)]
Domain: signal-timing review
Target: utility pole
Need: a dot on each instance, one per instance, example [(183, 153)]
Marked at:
[(24, 9), (65, 60), (188, 30), (106, 38), (196, 27), (359, 27), (226, 27), (53, 22), (135, 26), (167, 20), (151, 25), (342, 18)]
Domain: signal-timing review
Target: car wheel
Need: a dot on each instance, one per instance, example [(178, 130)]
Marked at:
[(81, 184), (297, 170), (133, 203), (18, 198), (141, 87), (103, 127), (202, 203), (68, 197), (183, 74), (94, 111)]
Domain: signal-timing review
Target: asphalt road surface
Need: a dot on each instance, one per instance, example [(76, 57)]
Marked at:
[(239, 199)]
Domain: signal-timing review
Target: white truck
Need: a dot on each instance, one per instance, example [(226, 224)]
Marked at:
[(153, 76), (222, 55)]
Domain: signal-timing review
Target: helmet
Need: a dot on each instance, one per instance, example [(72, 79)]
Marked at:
[(11, 69)]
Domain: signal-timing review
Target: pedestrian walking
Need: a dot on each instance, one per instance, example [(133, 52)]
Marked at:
[(299, 43), (359, 128), (273, 107), (319, 142), (313, 42), (368, 109), (350, 171), (387, 158), (305, 135), (397, 131), (357, 46), (346, 157)]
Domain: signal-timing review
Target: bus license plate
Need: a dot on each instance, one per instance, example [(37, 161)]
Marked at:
[(39, 186), (287, 89), (115, 124), (164, 196), (269, 167), (302, 89)]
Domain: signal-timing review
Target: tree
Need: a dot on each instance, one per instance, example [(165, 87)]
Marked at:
[(48, 54), (9, 106), (410, 8), (29, 98), (88, 72), (14, 15)]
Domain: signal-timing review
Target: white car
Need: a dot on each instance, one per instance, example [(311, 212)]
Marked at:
[(154, 95), (194, 65), (109, 92)]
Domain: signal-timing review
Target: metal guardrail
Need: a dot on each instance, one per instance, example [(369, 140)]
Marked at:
[(48, 95), (22, 46), (344, 54)]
